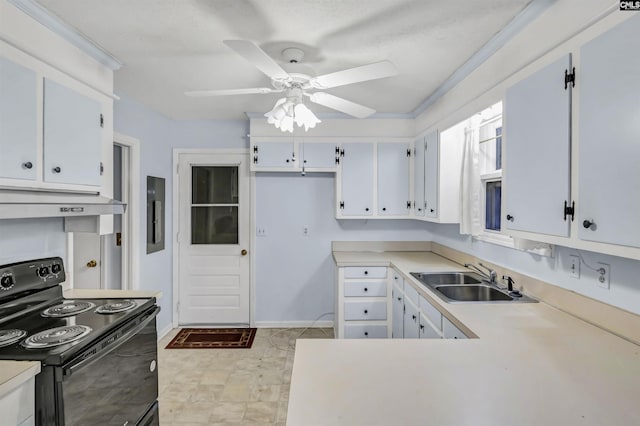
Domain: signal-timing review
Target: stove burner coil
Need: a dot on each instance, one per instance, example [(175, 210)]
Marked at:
[(68, 308), (56, 336), (9, 337), (115, 307)]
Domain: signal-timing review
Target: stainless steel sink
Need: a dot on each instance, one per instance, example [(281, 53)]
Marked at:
[(472, 293), (454, 287)]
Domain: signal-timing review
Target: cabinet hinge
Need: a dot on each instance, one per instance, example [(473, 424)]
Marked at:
[(342, 205), (569, 210), (255, 159), (337, 159), (408, 204), (408, 152), (101, 168), (342, 153), (255, 149), (101, 120), (570, 78)]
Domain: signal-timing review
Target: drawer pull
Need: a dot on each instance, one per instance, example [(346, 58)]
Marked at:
[(366, 333), (27, 165), (399, 299), (366, 289), (421, 326), (414, 317), (366, 311), (366, 272)]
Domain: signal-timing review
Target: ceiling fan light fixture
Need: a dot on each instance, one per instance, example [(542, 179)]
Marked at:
[(304, 117), (290, 110)]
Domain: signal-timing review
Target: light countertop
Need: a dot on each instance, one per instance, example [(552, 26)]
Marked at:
[(15, 373), (530, 365), (84, 293)]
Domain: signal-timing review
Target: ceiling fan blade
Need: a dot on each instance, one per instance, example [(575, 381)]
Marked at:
[(342, 105), (226, 92), (252, 53), (354, 75)]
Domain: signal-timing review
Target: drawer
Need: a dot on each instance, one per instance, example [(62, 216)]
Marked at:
[(365, 310), (365, 288), (365, 272), (365, 331), (431, 312), (412, 294)]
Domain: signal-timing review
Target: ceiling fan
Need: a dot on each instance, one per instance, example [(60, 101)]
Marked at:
[(300, 82)]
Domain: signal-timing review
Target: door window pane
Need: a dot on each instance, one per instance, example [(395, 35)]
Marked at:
[(214, 185), (214, 225)]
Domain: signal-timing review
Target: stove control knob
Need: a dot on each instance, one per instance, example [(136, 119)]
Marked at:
[(55, 268), (43, 271), (6, 282)]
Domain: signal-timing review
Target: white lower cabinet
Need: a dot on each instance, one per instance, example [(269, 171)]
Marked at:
[(427, 330), (397, 312), (411, 320), (18, 405), (450, 331), (363, 307)]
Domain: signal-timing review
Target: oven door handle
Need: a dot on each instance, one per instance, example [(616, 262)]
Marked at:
[(112, 347)]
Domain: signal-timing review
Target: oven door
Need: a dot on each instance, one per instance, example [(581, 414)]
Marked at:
[(116, 385)]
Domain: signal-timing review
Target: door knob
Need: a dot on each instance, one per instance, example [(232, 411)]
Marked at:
[(243, 252), (588, 223), (92, 264)]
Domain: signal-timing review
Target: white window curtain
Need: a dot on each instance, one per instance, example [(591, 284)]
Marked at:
[(470, 189)]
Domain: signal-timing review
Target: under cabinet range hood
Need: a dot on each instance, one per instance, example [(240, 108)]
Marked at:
[(29, 204)]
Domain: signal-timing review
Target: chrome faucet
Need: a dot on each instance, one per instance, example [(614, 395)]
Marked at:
[(491, 275)]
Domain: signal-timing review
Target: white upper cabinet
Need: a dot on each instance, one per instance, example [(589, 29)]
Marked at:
[(319, 156), (418, 177), (393, 179), (608, 205), (537, 168), (18, 121), (356, 180), (273, 155), (431, 174), (72, 136)]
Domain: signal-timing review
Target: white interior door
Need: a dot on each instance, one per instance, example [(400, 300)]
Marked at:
[(87, 260), (213, 239)]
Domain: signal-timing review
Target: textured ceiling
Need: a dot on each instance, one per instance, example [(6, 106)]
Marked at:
[(171, 46)]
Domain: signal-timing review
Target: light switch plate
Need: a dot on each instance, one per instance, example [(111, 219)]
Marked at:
[(574, 266)]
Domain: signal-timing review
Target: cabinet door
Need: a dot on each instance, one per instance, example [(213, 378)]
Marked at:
[(397, 313), (418, 177), (18, 112), (609, 164), (393, 179), (426, 329), (411, 320), (317, 155), (450, 331), (431, 178), (72, 136), (277, 155), (537, 130), (357, 180)]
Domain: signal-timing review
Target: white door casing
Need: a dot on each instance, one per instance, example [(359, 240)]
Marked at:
[(87, 260), (214, 259)]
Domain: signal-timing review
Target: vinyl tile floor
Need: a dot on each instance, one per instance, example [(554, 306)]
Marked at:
[(230, 386)]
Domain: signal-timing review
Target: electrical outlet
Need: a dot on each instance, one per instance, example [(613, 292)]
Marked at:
[(574, 266), (604, 275), (261, 232), (305, 230)]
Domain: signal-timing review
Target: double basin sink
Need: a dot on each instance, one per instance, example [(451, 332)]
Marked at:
[(453, 287)]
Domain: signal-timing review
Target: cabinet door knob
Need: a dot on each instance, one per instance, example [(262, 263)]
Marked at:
[(27, 165), (588, 223), (510, 218), (414, 317), (399, 299), (57, 170), (366, 272), (366, 289), (432, 210), (366, 333), (384, 209), (366, 209), (421, 326), (419, 209)]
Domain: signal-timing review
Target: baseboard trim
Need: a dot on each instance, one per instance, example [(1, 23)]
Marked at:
[(294, 324)]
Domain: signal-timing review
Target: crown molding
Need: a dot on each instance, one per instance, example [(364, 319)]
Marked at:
[(67, 32)]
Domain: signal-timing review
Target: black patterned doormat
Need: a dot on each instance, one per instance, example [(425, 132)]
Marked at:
[(213, 338)]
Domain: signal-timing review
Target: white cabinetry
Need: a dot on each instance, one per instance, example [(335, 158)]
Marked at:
[(411, 320), (419, 203), (18, 121), (362, 303), (393, 179), (432, 177), (72, 136), (356, 180), (397, 302), (18, 405), (270, 154), (537, 127), (609, 123)]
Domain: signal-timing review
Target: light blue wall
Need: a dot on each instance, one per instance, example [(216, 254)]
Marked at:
[(624, 290), (158, 136), (294, 272), (26, 239)]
